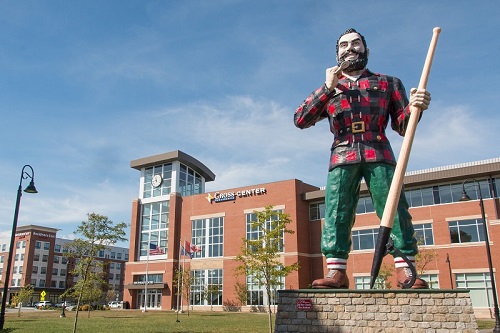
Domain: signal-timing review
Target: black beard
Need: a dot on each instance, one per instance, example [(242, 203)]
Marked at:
[(357, 64)]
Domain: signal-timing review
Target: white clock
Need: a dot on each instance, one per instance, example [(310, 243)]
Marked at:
[(156, 181)]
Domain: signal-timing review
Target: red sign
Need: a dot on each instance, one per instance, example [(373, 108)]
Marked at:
[(304, 304)]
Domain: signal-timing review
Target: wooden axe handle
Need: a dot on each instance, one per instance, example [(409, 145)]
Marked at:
[(397, 181)]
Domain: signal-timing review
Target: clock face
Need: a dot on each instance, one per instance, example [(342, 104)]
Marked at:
[(156, 181)]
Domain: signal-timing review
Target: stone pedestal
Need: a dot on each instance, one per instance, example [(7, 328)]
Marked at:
[(370, 311)]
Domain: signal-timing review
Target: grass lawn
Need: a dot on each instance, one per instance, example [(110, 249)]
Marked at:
[(128, 321)]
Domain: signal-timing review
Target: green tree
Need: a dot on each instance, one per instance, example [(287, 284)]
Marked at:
[(92, 236), (22, 296), (182, 285), (424, 257), (382, 280), (260, 256), (210, 293), (241, 290), (110, 295)]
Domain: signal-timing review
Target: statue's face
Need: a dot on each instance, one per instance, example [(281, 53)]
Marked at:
[(350, 47)]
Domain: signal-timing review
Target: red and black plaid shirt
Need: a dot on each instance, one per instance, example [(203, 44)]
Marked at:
[(358, 112)]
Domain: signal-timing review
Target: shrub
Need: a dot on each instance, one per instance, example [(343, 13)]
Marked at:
[(231, 306)]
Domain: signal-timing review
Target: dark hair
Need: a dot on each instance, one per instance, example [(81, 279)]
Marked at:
[(348, 31)]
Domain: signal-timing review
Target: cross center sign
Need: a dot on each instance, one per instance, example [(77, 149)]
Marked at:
[(304, 304)]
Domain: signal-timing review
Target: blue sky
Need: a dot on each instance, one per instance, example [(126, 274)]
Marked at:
[(88, 86)]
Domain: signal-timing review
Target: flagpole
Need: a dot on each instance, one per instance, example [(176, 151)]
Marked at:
[(182, 280), (147, 268), (179, 276)]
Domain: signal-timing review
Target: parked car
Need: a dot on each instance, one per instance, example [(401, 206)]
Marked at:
[(42, 304), (65, 304), (115, 304)]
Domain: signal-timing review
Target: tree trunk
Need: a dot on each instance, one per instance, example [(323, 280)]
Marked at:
[(270, 313)]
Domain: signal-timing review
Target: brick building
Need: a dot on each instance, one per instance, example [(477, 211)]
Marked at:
[(39, 260), (173, 207)]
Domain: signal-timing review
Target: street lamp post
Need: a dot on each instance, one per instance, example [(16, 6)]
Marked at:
[(25, 174), (449, 269), (465, 197)]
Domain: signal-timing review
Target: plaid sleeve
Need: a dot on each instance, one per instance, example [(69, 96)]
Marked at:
[(312, 108), (398, 107)]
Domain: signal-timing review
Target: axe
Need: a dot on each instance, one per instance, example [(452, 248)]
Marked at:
[(384, 244)]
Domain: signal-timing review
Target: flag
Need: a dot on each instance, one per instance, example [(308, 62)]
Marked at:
[(192, 249), (154, 249), (185, 253)]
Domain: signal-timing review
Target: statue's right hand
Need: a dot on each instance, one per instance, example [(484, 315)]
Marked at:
[(332, 77)]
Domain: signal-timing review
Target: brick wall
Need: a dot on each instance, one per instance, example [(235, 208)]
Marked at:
[(401, 311)]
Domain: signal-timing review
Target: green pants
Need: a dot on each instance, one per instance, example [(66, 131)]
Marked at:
[(341, 199)]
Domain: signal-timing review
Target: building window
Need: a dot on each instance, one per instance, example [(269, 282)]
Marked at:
[(364, 239), (206, 281), (61, 284), (43, 270), (154, 226), (1, 259), (57, 248), (254, 233), (432, 280), (1, 270), (64, 260), (62, 272), (165, 171), (41, 283), (423, 233), (479, 285), (38, 245), (4, 246), (117, 277), (33, 282), (316, 211), (112, 265), (363, 282), (46, 246), (256, 293), (14, 270), (20, 270), (119, 256), (53, 284), (36, 257), (16, 257), (466, 231), (56, 259), (208, 235), (152, 278), (35, 269), (21, 258), (365, 205), (189, 181), (54, 271), (113, 255), (45, 258), (18, 245), (420, 197), (118, 265)]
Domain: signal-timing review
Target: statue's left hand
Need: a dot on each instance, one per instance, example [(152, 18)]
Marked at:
[(420, 98)]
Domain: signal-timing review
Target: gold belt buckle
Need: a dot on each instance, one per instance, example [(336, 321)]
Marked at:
[(358, 127)]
